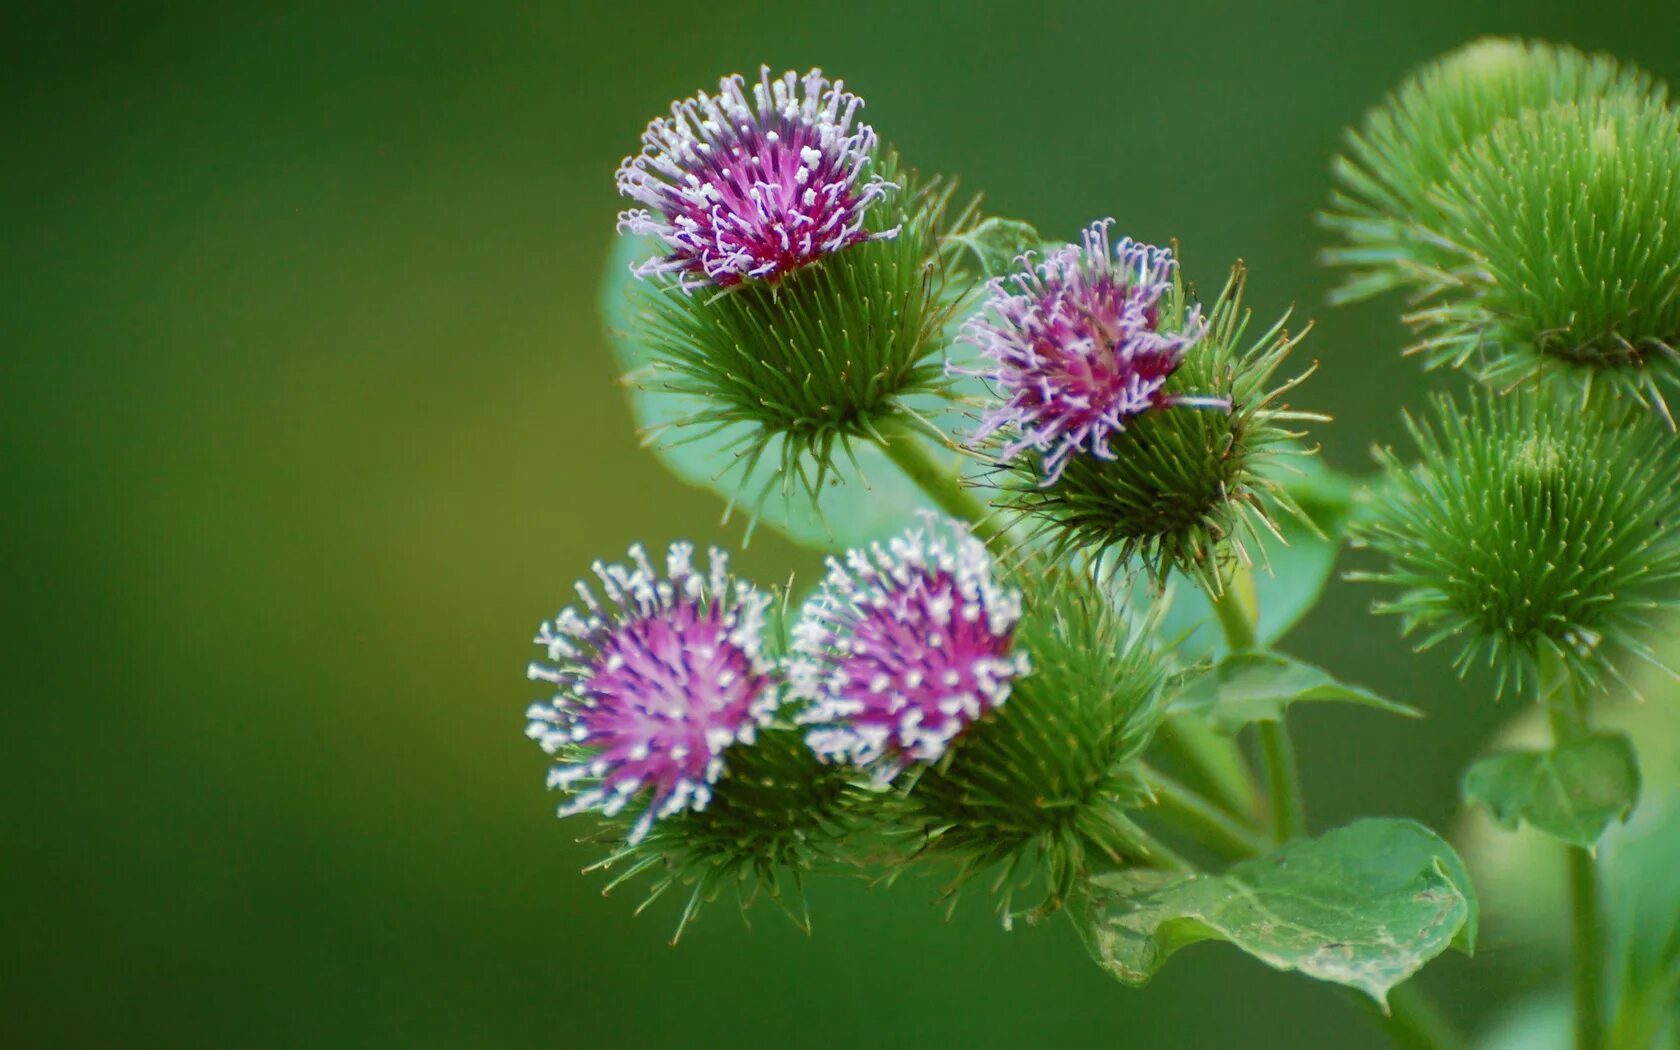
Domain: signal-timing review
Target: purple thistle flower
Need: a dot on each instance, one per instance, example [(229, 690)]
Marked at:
[(903, 649), (744, 189), (1077, 348), (652, 686)]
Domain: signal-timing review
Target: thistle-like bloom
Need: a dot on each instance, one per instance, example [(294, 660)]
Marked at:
[(905, 647), (740, 188), (1079, 346), (653, 685)]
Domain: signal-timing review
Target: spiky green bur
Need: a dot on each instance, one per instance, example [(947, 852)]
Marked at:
[(1184, 488), (1384, 206), (816, 359), (1527, 528), (1566, 227), (777, 814), (1039, 789)]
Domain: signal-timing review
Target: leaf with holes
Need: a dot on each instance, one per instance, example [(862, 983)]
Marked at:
[(1365, 906)]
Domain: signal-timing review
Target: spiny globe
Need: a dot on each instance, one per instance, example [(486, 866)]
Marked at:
[(818, 358), (1565, 232), (1182, 487), (1384, 208), (1039, 789), (1528, 526)]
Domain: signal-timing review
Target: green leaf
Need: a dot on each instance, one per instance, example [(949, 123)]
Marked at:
[(868, 499), (1260, 686), (1573, 792), (991, 245), (1364, 906)]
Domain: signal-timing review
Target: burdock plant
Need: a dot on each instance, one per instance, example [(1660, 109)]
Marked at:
[(1012, 689)]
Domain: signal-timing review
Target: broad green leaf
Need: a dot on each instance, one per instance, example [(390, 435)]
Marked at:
[(1260, 686), (868, 500), (1294, 573), (1365, 906), (991, 245), (1573, 792)]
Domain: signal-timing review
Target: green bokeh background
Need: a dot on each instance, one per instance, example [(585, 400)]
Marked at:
[(306, 419)]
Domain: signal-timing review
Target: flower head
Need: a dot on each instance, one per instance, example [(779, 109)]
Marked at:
[(653, 685), (905, 647), (1079, 346), (1385, 209), (742, 188), (1527, 531)]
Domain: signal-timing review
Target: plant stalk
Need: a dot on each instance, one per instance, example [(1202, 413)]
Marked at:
[(1566, 710), (942, 484), (1277, 750), (1204, 820), (1412, 1022)]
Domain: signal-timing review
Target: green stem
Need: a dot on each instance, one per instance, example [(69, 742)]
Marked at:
[(1283, 781), (1204, 820), (1213, 761), (1277, 751), (1567, 712), (1412, 1022), (942, 484)]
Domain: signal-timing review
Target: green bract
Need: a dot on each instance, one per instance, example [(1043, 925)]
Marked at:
[(1186, 487), (1384, 206), (815, 360), (776, 814), (1528, 527), (1043, 783), (1566, 224)]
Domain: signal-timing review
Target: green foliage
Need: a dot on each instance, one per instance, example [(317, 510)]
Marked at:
[(1187, 489), (1255, 686), (776, 814), (1043, 784), (1364, 906), (1573, 792), (1528, 528), (991, 245), (1385, 208), (1564, 226)]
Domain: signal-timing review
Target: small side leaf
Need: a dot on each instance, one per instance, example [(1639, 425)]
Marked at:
[(1260, 686), (1365, 906), (869, 498), (991, 246), (1573, 792)]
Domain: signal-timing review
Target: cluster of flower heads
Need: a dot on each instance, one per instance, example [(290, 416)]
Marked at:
[(653, 685), (1079, 345), (742, 188), (906, 646)]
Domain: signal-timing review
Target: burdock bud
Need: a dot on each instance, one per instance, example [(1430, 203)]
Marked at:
[(1527, 529), (667, 720), (1384, 206), (909, 656), (1127, 420), (795, 288), (1565, 229)]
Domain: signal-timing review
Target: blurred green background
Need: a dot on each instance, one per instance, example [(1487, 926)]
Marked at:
[(307, 420)]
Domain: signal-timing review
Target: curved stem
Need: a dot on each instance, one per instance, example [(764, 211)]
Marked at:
[(1277, 751), (1567, 712), (1199, 817), (942, 484), (1213, 761)]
